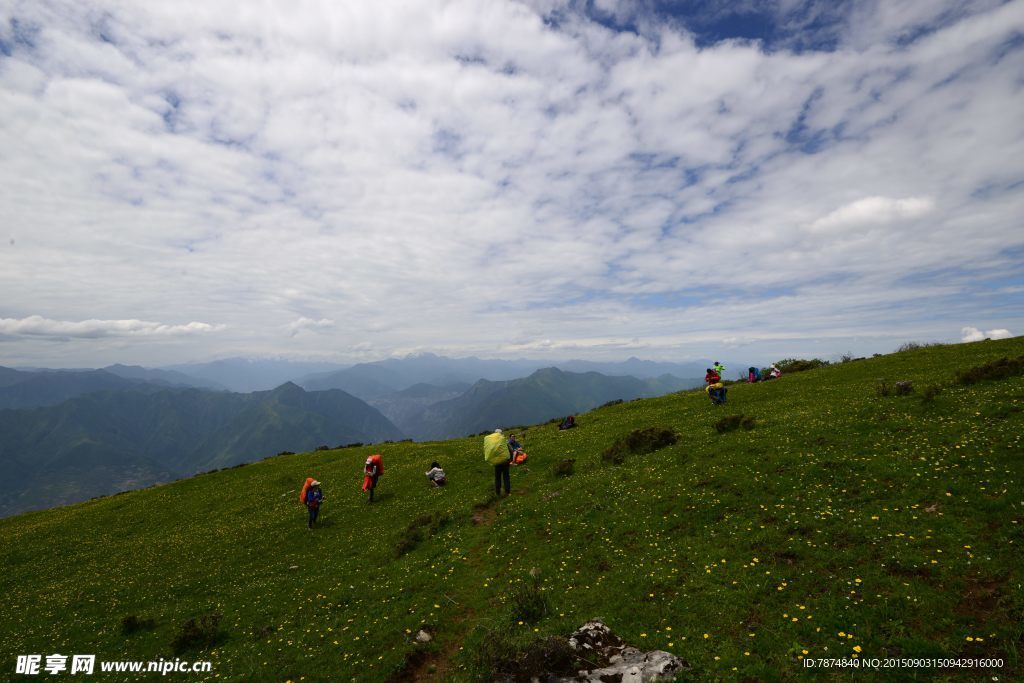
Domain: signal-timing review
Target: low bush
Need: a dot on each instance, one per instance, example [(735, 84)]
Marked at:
[(639, 442), (498, 657), (565, 468), (914, 346), (931, 392), (789, 365), (133, 624), (199, 634), (731, 423), (527, 600), (903, 388), (997, 369), (611, 403), (419, 530)]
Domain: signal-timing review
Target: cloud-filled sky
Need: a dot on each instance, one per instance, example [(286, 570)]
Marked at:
[(185, 180)]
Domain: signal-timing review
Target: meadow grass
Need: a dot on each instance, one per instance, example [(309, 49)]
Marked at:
[(846, 523)]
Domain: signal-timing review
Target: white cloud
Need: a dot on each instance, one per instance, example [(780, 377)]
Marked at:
[(973, 334), (38, 326), (873, 211), (308, 324), (457, 174)]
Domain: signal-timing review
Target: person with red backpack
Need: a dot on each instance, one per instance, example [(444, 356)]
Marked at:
[(311, 496), (372, 471), (712, 377)]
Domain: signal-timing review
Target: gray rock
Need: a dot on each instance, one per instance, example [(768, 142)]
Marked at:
[(624, 664), (423, 637)]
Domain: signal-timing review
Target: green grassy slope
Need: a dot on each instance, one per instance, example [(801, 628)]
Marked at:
[(843, 520)]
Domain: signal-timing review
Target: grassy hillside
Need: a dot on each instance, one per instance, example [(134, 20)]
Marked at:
[(843, 523)]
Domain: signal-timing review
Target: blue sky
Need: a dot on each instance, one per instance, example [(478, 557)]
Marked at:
[(601, 179)]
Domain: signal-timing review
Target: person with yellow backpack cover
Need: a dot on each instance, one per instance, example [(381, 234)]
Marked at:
[(496, 452)]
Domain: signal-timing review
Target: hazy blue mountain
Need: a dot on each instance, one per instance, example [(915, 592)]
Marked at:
[(545, 394), (110, 441), (402, 406), (165, 377), (382, 378), (23, 389), (252, 374), (634, 367), (379, 379)]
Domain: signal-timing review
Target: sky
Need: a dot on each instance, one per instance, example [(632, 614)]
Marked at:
[(189, 180)]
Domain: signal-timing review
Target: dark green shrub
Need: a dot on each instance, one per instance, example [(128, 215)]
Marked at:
[(199, 634), (997, 369), (565, 468), (528, 602), (789, 365), (262, 633), (882, 389), (611, 403), (639, 441), (748, 423), (496, 657), (930, 392), (132, 624), (904, 388), (914, 346), (419, 530), (728, 423)]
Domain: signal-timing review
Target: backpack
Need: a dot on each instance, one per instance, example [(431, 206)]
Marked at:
[(305, 488), (519, 457), (375, 459), (495, 450)]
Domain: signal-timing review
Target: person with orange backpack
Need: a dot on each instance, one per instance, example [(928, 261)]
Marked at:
[(516, 454), (311, 496), (372, 471)]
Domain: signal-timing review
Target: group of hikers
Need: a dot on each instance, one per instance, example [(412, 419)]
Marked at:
[(717, 390), (502, 453), (498, 452)]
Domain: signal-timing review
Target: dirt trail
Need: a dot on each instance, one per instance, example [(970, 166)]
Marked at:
[(422, 664)]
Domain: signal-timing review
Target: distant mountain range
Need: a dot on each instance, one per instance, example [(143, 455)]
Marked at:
[(251, 374), (545, 394), (115, 440), (379, 379), (26, 389)]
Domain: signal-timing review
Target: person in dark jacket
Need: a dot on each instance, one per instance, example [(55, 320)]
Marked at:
[(314, 496)]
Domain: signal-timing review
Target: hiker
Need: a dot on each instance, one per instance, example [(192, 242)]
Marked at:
[(716, 392), (436, 475), (496, 452), (719, 368), (312, 496), (752, 375), (775, 373), (712, 377), (568, 423), (372, 471), (516, 453)]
